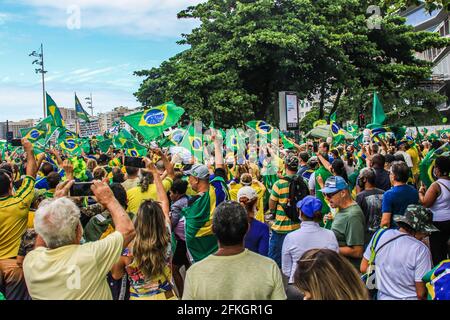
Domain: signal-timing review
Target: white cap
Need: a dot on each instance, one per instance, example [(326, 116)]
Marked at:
[(247, 192)]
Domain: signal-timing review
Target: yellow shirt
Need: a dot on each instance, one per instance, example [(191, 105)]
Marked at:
[(73, 272), (14, 218), (415, 160), (135, 196), (234, 188)]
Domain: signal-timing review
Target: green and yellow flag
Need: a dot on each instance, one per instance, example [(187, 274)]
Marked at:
[(193, 142), (69, 142), (53, 111), (151, 123), (81, 113)]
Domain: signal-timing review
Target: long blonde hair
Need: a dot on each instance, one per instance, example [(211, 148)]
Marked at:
[(152, 239), (326, 275)]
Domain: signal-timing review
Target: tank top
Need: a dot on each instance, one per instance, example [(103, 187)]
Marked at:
[(441, 207)]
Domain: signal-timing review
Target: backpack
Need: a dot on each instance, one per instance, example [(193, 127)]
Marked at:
[(297, 191)]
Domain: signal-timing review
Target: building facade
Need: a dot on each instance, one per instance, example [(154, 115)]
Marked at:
[(436, 21), (14, 127)]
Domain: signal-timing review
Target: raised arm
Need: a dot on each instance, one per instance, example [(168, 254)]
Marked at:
[(161, 192), (218, 152), (122, 222), (31, 161)]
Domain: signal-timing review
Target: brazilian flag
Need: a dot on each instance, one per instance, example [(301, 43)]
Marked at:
[(32, 134), (136, 151), (200, 240), (69, 142), (151, 123), (234, 141), (427, 164), (124, 137), (104, 145), (81, 113), (261, 127), (53, 111), (193, 142)]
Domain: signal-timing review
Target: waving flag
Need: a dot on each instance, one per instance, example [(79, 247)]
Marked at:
[(123, 138), (69, 142), (261, 127), (32, 134), (53, 111), (152, 122), (426, 166), (193, 142), (337, 133), (378, 115), (234, 141), (81, 113)]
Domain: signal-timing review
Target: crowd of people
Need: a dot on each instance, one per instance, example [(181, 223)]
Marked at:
[(316, 225)]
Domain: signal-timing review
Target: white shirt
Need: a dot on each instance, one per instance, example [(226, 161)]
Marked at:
[(399, 265), (407, 158), (312, 181), (309, 236)]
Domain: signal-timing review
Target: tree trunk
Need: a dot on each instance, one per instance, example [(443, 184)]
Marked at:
[(336, 103), (322, 100)]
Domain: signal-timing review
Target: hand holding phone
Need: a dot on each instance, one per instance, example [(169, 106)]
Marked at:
[(16, 142), (81, 189)]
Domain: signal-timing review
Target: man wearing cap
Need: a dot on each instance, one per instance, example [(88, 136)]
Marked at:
[(404, 259), (348, 224), (309, 236), (200, 239), (278, 199)]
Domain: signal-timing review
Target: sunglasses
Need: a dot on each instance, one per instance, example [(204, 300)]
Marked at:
[(331, 195)]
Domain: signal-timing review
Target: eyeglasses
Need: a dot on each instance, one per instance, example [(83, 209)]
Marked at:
[(330, 195)]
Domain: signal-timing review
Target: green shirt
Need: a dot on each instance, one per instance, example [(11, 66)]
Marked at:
[(280, 194), (348, 227)]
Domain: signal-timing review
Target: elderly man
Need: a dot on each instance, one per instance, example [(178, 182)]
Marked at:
[(14, 208), (348, 224), (61, 268)]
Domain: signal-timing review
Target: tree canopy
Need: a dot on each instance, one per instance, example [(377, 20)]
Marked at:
[(245, 52)]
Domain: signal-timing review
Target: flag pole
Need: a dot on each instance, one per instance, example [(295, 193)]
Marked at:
[(43, 79)]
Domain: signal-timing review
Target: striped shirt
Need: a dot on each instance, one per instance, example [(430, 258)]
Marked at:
[(280, 194), (14, 218)]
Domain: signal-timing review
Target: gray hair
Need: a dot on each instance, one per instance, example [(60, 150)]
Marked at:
[(56, 221)]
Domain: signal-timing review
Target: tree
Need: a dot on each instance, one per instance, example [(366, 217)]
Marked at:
[(245, 52)]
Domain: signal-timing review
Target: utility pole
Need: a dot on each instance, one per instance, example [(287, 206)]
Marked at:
[(89, 103), (41, 70)]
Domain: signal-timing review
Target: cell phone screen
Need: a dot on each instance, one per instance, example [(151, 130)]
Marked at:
[(135, 162), (315, 147), (16, 142), (81, 189)]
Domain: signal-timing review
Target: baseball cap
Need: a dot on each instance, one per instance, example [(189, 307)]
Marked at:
[(418, 218), (309, 205), (247, 192), (334, 184), (199, 171)]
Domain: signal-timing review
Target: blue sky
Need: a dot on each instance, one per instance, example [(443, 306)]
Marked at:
[(114, 38)]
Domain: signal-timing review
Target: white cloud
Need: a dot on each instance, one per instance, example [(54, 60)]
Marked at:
[(29, 106), (132, 17)]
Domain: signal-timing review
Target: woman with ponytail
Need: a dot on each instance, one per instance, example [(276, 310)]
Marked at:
[(147, 260), (257, 238)]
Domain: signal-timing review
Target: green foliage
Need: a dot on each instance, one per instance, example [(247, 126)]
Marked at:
[(245, 52)]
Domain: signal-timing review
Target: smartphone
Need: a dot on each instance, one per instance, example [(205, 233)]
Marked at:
[(16, 142), (136, 162), (81, 189), (315, 147)]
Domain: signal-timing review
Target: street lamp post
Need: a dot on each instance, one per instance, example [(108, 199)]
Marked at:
[(40, 62), (89, 103)]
